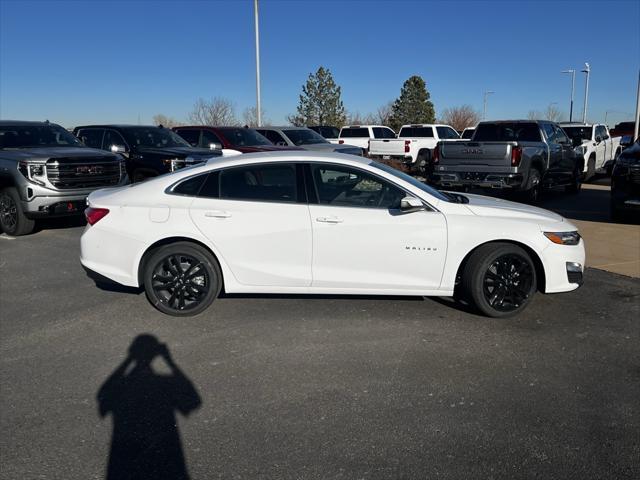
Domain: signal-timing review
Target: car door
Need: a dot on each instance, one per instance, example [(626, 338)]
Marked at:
[(258, 219), (601, 145), (361, 240), (555, 151), (568, 163)]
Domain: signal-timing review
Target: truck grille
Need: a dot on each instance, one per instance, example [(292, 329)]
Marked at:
[(77, 173)]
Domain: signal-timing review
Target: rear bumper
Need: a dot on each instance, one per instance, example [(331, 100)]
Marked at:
[(478, 179)]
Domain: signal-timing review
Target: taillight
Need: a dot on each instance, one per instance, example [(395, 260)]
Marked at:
[(94, 215), (340, 142), (407, 143), (436, 154), (516, 156)]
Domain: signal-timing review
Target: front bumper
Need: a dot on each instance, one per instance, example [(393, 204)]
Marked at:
[(478, 179), (563, 267)]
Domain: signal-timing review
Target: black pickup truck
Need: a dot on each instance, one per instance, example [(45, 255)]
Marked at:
[(149, 150), (515, 155)]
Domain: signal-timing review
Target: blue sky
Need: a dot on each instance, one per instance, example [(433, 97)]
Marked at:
[(79, 61)]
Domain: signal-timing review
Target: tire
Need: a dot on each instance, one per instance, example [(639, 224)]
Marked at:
[(616, 214), (12, 218), (423, 161), (138, 177), (499, 279), (533, 192), (182, 279), (576, 182)]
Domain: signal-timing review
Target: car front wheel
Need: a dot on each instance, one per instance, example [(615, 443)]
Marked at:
[(182, 279), (499, 279), (12, 219)]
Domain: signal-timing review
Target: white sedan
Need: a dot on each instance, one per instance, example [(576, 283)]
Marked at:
[(312, 223)]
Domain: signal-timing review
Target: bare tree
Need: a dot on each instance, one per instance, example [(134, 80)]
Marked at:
[(250, 117), (553, 113), (534, 115), (215, 112), (169, 122), (356, 118), (460, 117), (383, 113)]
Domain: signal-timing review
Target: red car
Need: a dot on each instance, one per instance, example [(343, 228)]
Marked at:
[(245, 140)]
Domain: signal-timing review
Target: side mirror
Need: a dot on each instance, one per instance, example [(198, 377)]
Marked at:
[(118, 148), (215, 146), (281, 143), (411, 204), (598, 138)]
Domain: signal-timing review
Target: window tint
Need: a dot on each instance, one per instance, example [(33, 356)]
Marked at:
[(244, 137), (354, 133), (600, 131), (507, 132), (91, 137), (419, 132), (271, 183), (111, 137), (210, 137), (350, 187), (446, 133), (211, 187), (273, 136), (381, 132), (560, 136), (549, 132), (467, 134), (192, 136), (327, 132), (190, 186)]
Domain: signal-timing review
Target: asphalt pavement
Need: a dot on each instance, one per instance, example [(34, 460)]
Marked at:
[(309, 387)]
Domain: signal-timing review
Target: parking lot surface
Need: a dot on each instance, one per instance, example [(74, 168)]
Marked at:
[(312, 387)]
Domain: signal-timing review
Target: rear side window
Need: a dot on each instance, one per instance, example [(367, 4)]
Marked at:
[(381, 132), (418, 132), (265, 183), (354, 133), (91, 137), (209, 137), (507, 132), (192, 136), (327, 132)]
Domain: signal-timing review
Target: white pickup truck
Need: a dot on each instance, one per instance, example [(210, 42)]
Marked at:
[(594, 143), (359, 135), (411, 151)]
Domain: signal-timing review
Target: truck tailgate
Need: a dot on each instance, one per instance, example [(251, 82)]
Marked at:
[(386, 146), (492, 154)]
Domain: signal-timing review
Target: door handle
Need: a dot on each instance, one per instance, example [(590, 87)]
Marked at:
[(329, 220), (217, 214)]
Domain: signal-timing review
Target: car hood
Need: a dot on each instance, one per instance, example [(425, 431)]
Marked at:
[(54, 152), (497, 207), (179, 151)]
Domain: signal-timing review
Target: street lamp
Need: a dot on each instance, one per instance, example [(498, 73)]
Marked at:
[(484, 107), (258, 109), (587, 70), (573, 83)]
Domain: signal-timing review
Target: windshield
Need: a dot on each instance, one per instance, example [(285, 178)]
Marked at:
[(155, 137), (304, 137), (578, 133), (29, 136), (408, 178), (507, 132), (244, 137)]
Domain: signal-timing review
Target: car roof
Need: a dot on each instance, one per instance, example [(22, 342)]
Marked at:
[(283, 128), (365, 126), (578, 124), (288, 156), (25, 122), (118, 125)]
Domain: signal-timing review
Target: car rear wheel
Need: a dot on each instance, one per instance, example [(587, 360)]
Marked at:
[(499, 279), (533, 192), (12, 218), (182, 279)]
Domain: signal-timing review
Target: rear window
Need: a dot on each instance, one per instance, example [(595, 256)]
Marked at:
[(425, 132), (354, 132), (507, 132)]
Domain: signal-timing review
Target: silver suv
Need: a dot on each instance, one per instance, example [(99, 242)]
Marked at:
[(47, 172)]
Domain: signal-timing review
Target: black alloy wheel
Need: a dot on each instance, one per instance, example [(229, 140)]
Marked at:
[(182, 279), (507, 282), (499, 279), (12, 219)]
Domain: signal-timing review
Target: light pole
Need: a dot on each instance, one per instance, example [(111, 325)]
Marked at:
[(587, 70), (258, 107), (573, 84), (484, 106)]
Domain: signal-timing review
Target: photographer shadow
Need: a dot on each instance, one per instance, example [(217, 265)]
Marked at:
[(145, 442)]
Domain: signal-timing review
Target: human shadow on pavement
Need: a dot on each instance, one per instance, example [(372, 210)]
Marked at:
[(145, 442)]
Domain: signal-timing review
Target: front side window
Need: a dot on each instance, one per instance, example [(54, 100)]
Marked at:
[(244, 137), (111, 138), (266, 183), (91, 137), (304, 136), (447, 133), (209, 137), (191, 136), (154, 137), (273, 136), (549, 132), (467, 134), (342, 186)]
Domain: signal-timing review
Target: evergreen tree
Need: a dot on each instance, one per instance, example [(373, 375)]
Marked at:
[(413, 104), (320, 102)]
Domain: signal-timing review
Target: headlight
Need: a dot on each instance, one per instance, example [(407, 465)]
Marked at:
[(563, 238), (32, 172)]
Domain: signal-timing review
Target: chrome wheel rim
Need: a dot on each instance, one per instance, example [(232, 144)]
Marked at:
[(180, 282), (507, 282), (8, 212)]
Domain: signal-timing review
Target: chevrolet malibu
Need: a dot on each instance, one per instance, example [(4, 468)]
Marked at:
[(314, 223)]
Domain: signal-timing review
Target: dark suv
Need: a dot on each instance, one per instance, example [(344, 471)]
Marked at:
[(245, 140), (149, 150), (625, 185)]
